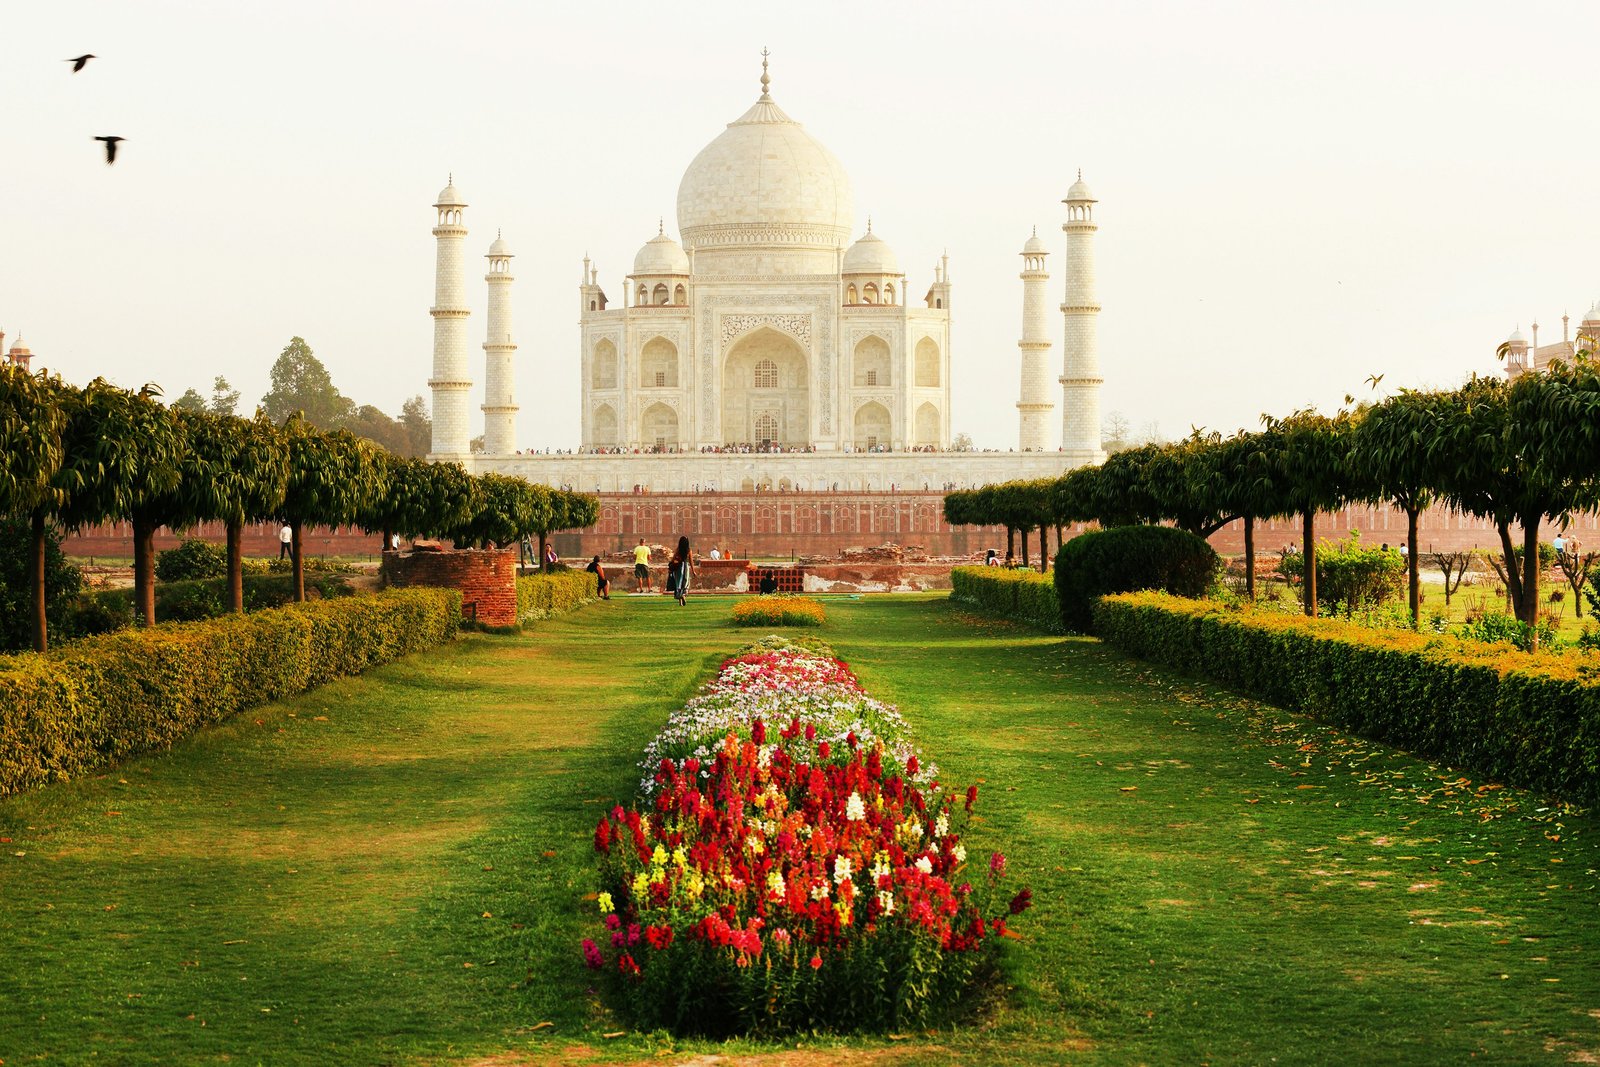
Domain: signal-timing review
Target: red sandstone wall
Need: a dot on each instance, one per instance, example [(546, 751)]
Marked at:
[(487, 579)]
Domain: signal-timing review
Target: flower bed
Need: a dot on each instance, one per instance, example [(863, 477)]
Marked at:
[(778, 876), (779, 611)]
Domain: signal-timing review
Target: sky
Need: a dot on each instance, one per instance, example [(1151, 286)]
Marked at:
[(1294, 197)]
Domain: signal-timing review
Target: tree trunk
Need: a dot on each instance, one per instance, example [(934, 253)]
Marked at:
[(41, 625), (1413, 577), (297, 562), (543, 566), (235, 567), (1530, 574), (1044, 549), (384, 547), (144, 567), (1025, 561), (1250, 557), (1308, 556), (1512, 575), (1011, 544)]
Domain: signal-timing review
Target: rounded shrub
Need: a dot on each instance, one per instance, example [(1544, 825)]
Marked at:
[(1125, 559), (192, 559)]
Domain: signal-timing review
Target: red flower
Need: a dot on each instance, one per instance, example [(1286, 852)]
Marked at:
[(816, 962), (591, 955), (997, 864), (758, 732), (972, 796), (1022, 902), (602, 836), (912, 766), (824, 750)]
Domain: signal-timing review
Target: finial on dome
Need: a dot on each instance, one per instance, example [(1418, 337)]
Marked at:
[(451, 180), (869, 223), (1080, 174), (1036, 229), (661, 226), (498, 233), (766, 81)]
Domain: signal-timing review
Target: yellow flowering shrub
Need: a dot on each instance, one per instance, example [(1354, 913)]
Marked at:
[(779, 610)]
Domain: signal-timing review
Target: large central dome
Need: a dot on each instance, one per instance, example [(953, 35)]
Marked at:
[(765, 182)]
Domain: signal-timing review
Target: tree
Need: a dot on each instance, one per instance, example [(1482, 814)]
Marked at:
[(191, 400), (62, 582), (33, 420), (1114, 433), (417, 425), (334, 477), (224, 397), (961, 442), (507, 510), (300, 383), (1182, 479), (123, 455), (1454, 567), (423, 500), (1576, 566), (1313, 469), (1392, 447), (1244, 478), (235, 471)]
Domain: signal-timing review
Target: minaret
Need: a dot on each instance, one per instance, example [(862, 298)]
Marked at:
[(451, 379), (499, 404), (1036, 408), (1080, 349)]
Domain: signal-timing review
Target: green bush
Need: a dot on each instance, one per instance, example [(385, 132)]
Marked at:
[(104, 699), (1526, 718), (192, 559), (111, 609), (543, 595), (1350, 575), (1128, 558), (61, 584), (1026, 596)]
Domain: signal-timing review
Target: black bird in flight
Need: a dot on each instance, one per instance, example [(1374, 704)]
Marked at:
[(79, 62), (111, 148)]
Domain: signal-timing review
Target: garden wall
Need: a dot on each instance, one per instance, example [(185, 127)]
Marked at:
[(1530, 719), (104, 699), (486, 578)]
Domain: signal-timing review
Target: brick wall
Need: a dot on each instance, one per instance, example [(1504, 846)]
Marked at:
[(487, 579)]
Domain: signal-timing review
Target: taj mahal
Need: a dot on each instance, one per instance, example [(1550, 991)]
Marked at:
[(768, 350)]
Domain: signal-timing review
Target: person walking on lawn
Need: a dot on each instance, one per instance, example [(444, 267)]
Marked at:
[(679, 569), (641, 567)]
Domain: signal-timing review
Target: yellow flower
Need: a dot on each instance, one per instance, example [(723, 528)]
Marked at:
[(659, 857), (641, 886), (604, 900), (680, 857)]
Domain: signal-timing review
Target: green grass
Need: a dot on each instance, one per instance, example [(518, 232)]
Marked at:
[(1216, 881)]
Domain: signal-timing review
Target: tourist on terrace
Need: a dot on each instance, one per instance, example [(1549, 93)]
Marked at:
[(716, 553), (285, 540)]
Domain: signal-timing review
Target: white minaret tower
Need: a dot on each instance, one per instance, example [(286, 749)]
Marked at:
[(1035, 407), (451, 379), (499, 405), (1080, 376)]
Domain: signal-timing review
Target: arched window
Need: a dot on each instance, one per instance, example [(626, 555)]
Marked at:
[(661, 294), (869, 295), (603, 368), (888, 294), (644, 297), (766, 430), (850, 293), (927, 363), (679, 296), (766, 374), (592, 306)]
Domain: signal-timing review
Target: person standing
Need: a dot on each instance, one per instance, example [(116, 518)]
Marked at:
[(641, 567), (602, 583), (285, 542), (679, 569)]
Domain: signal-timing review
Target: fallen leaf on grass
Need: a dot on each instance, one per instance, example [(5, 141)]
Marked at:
[(1128, 789), (488, 915), (240, 941), (113, 813), (540, 1026), (549, 853), (614, 1034)]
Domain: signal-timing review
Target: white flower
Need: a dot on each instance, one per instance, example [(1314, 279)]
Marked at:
[(841, 869), (924, 864), (819, 891), (854, 809), (941, 825), (886, 901), (960, 853), (880, 866)]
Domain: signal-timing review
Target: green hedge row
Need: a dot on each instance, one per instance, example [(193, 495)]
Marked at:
[(1529, 719), (543, 595), (104, 699), (1026, 596)]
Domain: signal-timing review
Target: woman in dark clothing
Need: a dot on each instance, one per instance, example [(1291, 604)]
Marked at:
[(602, 583), (679, 568)]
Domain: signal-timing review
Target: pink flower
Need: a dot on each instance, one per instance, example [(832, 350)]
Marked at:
[(997, 864), (591, 955)]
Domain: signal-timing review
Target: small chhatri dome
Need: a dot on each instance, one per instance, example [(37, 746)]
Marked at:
[(449, 197), (1516, 337), (1079, 191), (500, 248), (661, 255), (1035, 245), (871, 255), (1593, 314), (18, 348)]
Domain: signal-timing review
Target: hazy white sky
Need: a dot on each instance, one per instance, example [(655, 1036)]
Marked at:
[(1292, 196)]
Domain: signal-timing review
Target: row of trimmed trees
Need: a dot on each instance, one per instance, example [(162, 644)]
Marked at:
[(78, 457), (1518, 454)]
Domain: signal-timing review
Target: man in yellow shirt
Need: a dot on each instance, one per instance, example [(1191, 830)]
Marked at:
[(641, 568)]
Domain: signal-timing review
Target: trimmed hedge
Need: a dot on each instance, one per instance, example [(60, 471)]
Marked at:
[(1529, 719), (1026, 596), (1127, 558), (187, 601), (108, 698), (543, 595)]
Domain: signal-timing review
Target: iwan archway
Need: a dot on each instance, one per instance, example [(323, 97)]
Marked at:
[(766, 390)]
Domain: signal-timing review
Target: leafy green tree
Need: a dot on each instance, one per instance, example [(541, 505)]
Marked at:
[(224, 398), (300, 383), (33, 420), (1315, 472), (123, 454), (334, 478), (418, 427), (423, 500), (1244, 478), (1394, 445), (62, 582), (507, 509), (565, 511), (191, 400)]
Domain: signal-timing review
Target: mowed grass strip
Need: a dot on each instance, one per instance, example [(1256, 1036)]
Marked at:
[(1217, 881)]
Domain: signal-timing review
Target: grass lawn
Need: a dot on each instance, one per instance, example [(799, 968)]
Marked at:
[(391, 869)]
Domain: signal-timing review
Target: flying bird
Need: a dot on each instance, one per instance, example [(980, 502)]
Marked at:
[(79, 62), (111, 148)]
